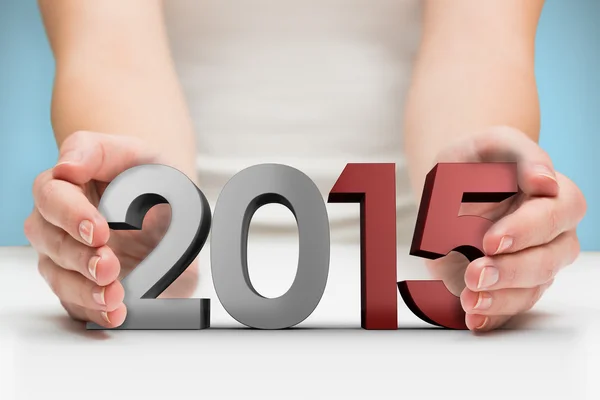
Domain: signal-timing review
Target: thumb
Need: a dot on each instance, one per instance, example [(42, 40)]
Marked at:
[(536, 175), (86, 156)]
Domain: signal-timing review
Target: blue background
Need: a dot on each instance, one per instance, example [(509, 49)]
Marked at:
[(568, 61)]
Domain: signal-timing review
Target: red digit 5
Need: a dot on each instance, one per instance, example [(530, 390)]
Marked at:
[(439, 230)]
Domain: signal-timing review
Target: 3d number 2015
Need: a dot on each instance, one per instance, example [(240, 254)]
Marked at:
[(439, 229)]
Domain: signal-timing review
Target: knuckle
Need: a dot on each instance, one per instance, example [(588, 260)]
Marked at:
[(574, 248), (38, 185), (501, 303), (547, 265), (28, 227), (49, 277), (45, 193), (527, 235), (70, 312), (534, 298), (42, 270), (580, 203), (77, 137), (58, 287), (546, 274), (73, 312), (552, 219), (60, 244), (82, 295), (39, 181), (511, 274)]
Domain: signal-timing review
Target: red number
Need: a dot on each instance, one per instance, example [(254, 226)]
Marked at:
[(439, 230), (374, 187)]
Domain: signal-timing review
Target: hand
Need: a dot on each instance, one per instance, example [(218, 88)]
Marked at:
[(79, 257), (532, 238)]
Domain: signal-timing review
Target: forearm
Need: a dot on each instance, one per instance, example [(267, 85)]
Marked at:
[(114, 75), (117, 101), (468, 79)]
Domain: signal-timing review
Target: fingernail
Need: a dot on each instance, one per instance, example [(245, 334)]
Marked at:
[(98, 295), (504, 245), (71, 157), (484, 301), (545, 171), (92, 264), (105, 316), (489, 276), (86, 231), (483, 324)]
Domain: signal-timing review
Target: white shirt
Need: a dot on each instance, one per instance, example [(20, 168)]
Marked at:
[(314, 84)]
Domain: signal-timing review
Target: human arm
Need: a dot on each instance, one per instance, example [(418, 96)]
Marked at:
[(114, 74), (474, 99), (116, 104)]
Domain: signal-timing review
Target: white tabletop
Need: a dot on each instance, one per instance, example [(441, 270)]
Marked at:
[(550, 353)]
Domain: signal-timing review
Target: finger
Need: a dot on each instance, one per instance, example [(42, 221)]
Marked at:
[(485, 323), (450, 269), (72, 287), (65, 205), (99, 264), (537, 221), (525, 269), (502, 301), (536, 175), (185, 285), (107, 319), (86, 156)]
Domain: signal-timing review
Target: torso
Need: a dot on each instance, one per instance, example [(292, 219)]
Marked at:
[(313, 84)]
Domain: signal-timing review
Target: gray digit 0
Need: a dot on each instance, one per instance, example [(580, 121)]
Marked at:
[(124, 204), (241, 197)]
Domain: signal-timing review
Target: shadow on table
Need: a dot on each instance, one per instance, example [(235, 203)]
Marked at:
[(59, 326), (48, 325), (75, 327)]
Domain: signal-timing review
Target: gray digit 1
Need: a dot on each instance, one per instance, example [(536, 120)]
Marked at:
[(241, 197), (124, 204)]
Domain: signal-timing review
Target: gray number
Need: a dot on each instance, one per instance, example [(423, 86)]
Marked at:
[(245, 193), (124, 204)]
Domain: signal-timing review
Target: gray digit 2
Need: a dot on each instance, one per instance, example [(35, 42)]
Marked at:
[(124, 204), (241, 197)]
